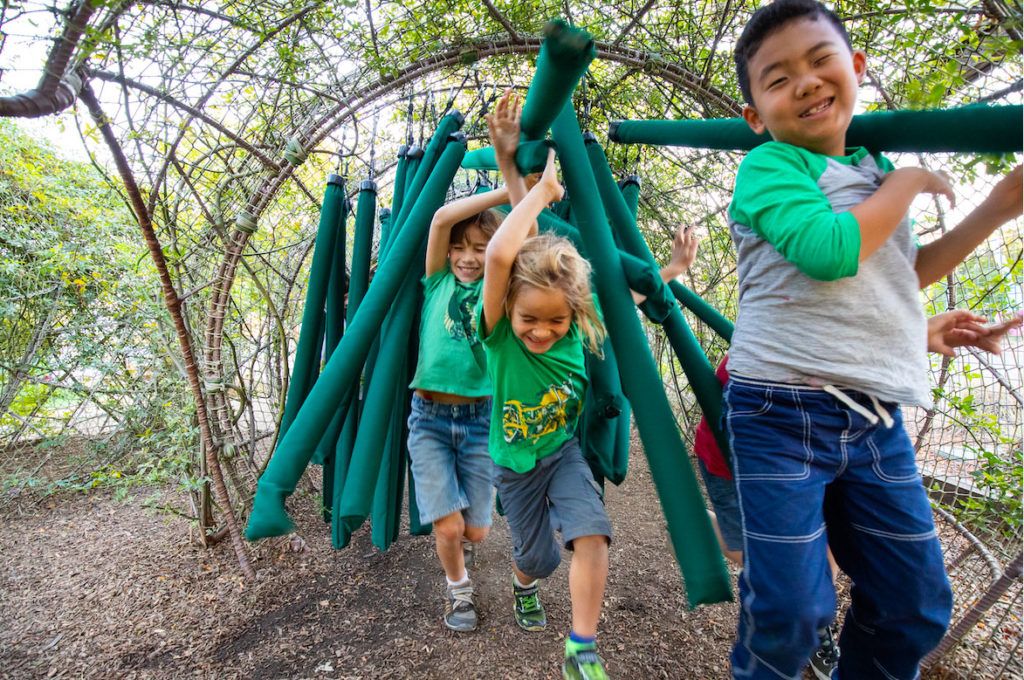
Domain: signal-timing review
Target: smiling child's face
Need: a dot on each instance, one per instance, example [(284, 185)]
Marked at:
[(540, 318), (804, 80), (467, 257)]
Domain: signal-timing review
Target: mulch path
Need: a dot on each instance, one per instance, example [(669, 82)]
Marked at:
[(92, 587)]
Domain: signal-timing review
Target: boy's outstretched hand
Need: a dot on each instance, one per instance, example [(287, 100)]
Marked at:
[(503, 126), (960, 328), (684, 252)]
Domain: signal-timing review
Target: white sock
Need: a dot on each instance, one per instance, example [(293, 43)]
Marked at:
[(515, 580), (460, 582)]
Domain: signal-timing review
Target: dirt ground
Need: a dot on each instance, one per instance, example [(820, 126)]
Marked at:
[(92, 587)]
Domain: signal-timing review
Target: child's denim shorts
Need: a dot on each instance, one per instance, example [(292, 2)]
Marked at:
[(726, 505), (559, 493), (449, 460)]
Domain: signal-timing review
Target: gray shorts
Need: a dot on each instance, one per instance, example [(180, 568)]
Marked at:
[(559, 494)]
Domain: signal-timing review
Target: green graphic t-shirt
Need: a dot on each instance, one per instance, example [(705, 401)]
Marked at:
[(537, 397), (451, 359)]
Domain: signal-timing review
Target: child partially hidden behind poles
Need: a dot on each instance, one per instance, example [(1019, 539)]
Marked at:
[(830, 340)]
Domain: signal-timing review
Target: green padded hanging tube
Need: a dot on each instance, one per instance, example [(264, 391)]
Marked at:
[(335, 328), (364, 468), (978, 128), (696, 548), (531, 156), (563, 59), (694, 361), (362, 246), (341, 373), (702, 310), (307, 354)]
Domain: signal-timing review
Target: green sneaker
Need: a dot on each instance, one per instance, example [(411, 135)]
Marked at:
[(528, 609), (583, 664)]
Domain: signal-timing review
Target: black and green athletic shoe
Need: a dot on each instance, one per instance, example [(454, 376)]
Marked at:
[(583, 664), (528, 609)]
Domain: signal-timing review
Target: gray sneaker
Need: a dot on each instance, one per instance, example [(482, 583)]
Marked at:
[(459, 610), (826, 656), (528, 610)]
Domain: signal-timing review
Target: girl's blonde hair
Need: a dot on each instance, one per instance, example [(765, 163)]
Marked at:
[(552, 262)]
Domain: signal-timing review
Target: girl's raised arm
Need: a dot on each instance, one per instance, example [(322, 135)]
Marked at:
[(447, 216), (509, 238)]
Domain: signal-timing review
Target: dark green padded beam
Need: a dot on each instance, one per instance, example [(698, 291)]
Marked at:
[(978, 128), (699, 372), (689, 528), (335, 320), (563, 59), (702, 310), (307, 354), (531, 157), (341, 373)]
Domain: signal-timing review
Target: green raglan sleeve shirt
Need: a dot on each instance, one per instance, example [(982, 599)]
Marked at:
[(778, 197)]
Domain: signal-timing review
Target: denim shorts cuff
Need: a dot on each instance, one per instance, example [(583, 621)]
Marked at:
[(427, 519), (593, 529)]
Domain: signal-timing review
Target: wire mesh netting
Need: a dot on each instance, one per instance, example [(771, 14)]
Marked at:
[(231, 116)]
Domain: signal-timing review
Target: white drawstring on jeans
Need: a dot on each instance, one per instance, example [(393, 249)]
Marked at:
[(872, 418)]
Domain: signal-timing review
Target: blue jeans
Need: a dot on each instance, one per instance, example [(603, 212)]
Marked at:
[(805, 461), (449, 460)]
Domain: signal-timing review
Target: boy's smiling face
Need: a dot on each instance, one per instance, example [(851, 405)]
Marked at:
[(804, 80), (467, 256)]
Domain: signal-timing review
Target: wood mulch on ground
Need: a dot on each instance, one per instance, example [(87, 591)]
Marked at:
[(92, 587)]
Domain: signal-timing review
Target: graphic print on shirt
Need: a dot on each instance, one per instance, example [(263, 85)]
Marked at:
[(459, 321), (555, 409)]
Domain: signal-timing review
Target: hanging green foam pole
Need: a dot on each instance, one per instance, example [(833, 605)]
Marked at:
[(398, 186), (702, 310), (531, 156), (341, 373), (978, 128), (384, 519), (307, 354), (630, 188), (694, 361), (362, 246), (335, 328), (563, 58), (689, 528), (365, 467)]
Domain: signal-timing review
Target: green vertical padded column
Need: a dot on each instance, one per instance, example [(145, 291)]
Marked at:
[(604, 408), (359, 278), (702, 310), (699, 372), (307, 354), (341, 373), (335, 328), (978, 128), (398, 186), (385, 517), (630, 188), (689, 528), (563, 58), (364, 468)]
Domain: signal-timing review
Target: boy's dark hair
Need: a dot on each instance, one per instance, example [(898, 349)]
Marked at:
[(769, 19), (488, 221)]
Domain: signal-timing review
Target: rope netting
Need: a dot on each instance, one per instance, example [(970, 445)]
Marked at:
[(232, 115)]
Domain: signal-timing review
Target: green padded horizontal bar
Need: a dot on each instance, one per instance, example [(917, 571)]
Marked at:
[(972, 129), (530, 157)]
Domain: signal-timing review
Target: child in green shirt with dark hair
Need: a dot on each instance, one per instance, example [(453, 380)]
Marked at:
[(830, 340)]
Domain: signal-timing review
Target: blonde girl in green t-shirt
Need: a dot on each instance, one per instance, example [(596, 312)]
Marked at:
[(537, 315)]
